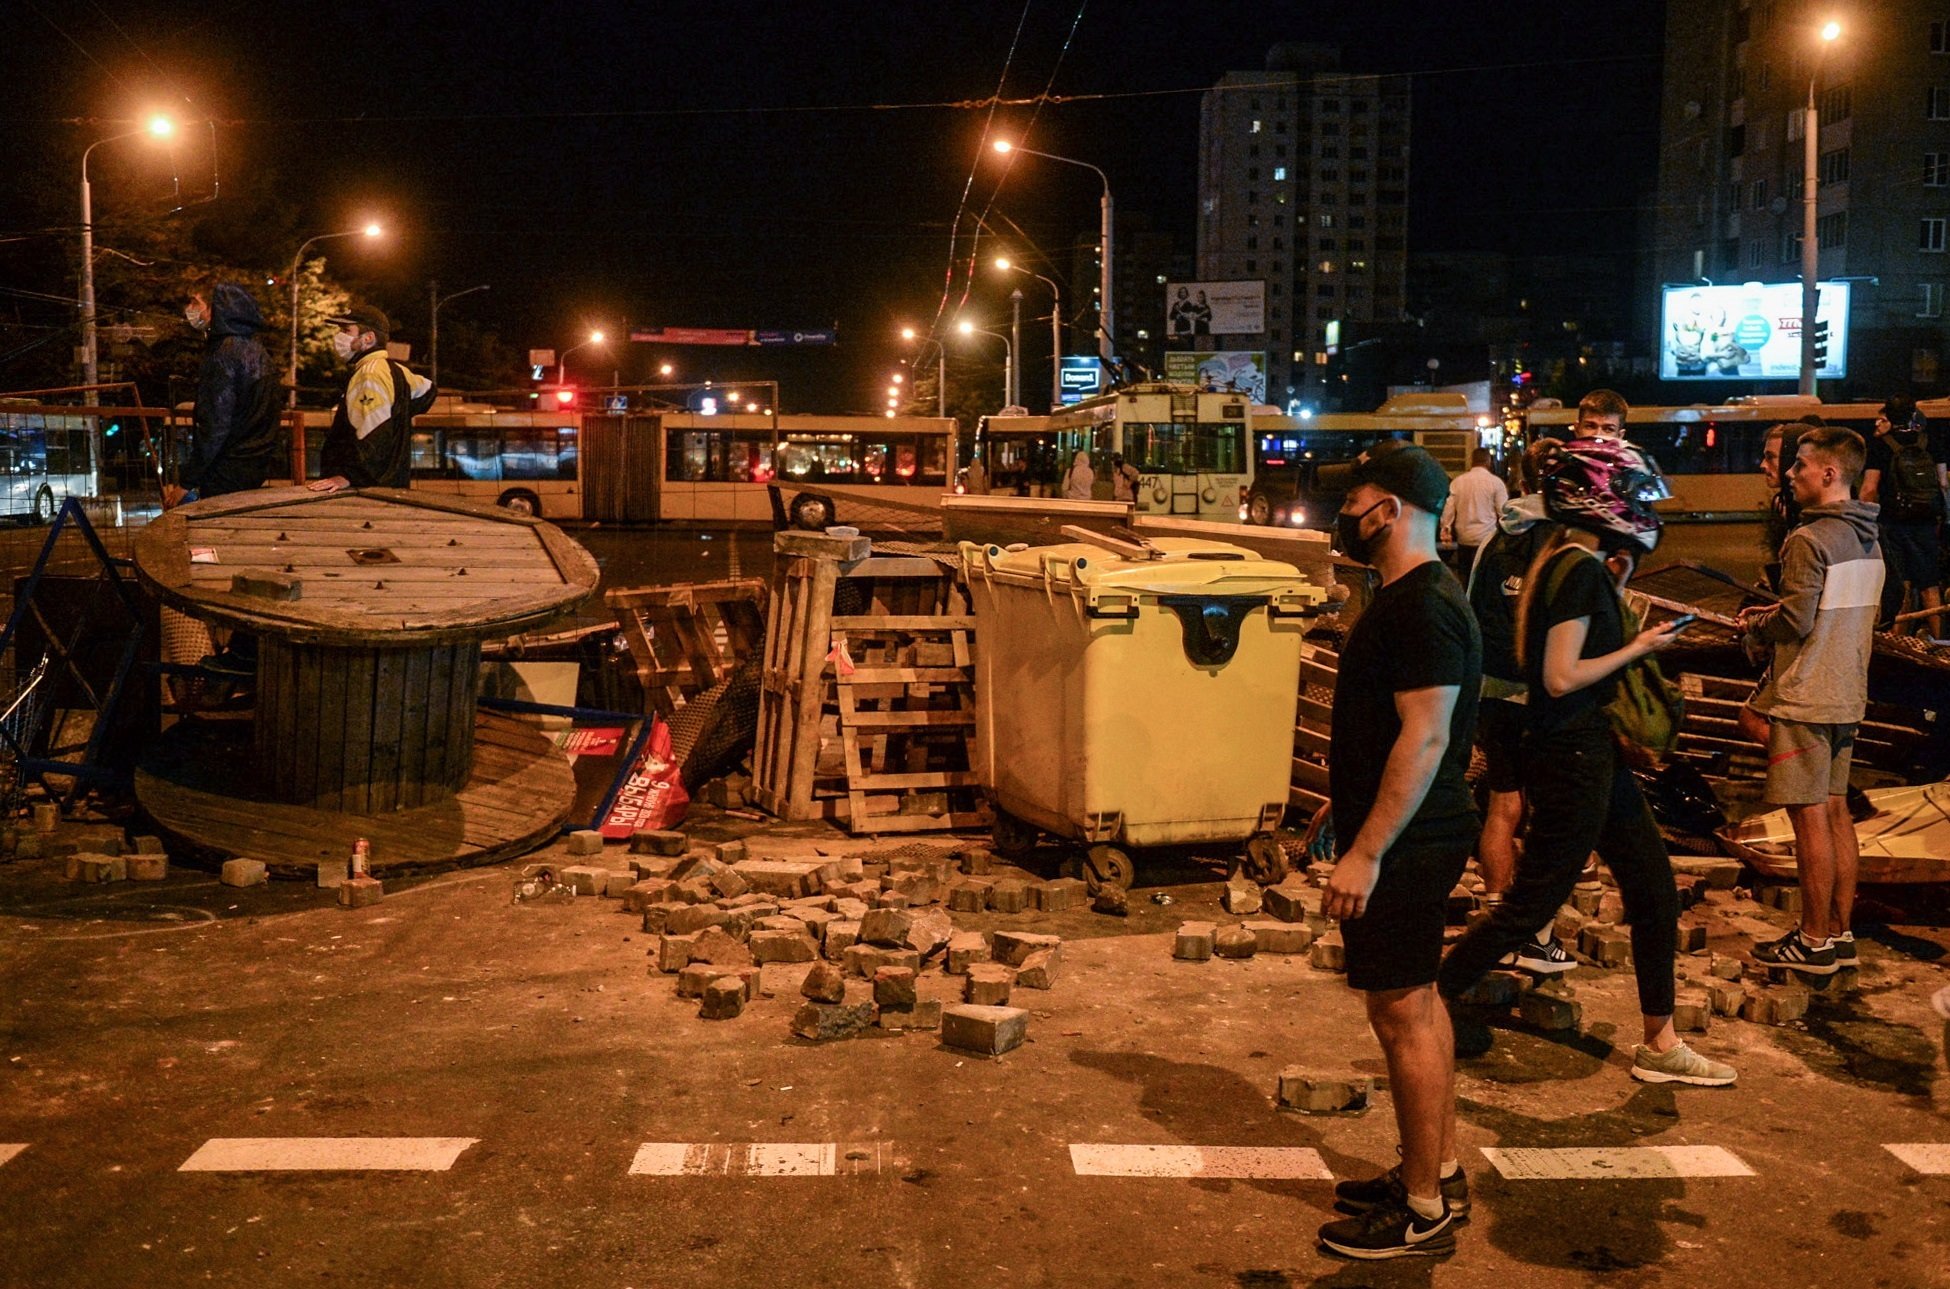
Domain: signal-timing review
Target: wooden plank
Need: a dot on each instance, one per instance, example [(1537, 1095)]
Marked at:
[(1309, 743), (1304, 799), (932, 779), (416, 682), (388, 683), (902, 622), (1308, 774), (953, 821), (906, 676), (903, 720)]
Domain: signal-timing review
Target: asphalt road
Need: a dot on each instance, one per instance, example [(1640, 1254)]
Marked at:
[(140, 1024)]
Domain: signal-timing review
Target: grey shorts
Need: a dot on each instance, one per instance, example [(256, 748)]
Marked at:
[(1807, 764)]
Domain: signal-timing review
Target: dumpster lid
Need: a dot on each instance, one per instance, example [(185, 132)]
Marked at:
[(1189, 566)]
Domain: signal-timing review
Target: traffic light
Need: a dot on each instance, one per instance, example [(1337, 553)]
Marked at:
[(565, 396), (1821, 344)]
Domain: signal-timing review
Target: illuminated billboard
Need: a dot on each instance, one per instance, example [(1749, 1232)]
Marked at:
[(1237, 371), (1080, 376), (1748, 332), (1194, 309)]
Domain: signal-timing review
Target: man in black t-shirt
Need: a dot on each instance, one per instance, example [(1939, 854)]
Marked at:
[(1403, 712), (1905, 476)]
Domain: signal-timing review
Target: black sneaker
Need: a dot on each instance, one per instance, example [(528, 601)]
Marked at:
[(1363, 1197), (1393, 1230), (1844, 947), (228, 665), (1540, 959), (1794, 952)]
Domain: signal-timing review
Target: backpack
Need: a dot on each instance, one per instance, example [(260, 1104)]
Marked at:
[(1913, 496), (1647, 710)]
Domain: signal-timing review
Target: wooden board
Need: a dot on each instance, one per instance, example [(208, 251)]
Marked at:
[(199, 784), (686, 639)]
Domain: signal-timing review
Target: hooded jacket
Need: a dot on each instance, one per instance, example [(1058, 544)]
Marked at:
[(1081, 479), (235, 425), (1824, 627)]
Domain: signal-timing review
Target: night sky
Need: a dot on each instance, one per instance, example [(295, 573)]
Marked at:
[(693, 165)]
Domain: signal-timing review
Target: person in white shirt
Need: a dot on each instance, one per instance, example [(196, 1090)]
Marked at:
[(1476, 501)]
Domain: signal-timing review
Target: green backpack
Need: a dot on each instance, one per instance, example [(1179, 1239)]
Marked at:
[(1647, 710)]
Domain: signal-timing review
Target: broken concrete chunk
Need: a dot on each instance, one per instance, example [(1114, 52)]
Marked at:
[(1242, 898), (1113, 901), (1012, 947), (928, 932), (1194, 942), (783, 946), (825, 983), (724, 999), (1727, 996), (990, 1031), (1311, 1093), (688, 918), (887, 927), (1234, 942), (1038, 970), (840, 936), (822, 1022), (1692, 1013), (674, 952), (655, 841), (360, 891), (988, 984), (1290, 901), (243, 872), (894, 987), (715, 946), (965, 949), (1328, 952)]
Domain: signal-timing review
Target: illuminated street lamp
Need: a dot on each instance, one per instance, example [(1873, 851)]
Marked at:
[(968, 328), (1055, 327), (666, 371), (1106, 326), (562, 359), (940, 371), (1810, 243), (156, 127), (371, 230)]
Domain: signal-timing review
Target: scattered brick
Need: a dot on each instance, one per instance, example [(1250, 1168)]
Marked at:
[(1498, 989), (840, 936), (965, 949), (1587, 896), (1194, 942), (724, 999), (1776, 1006), (928, 932), (1328, 952), (894, 987), (1323, 1094), (886, 927), (1717, 871), (783, 946), (977, 862), (730, 852), (148, 844), (1280, 937), (1692, 1013), (924, 1015), (114, 868), (1038, 970), (655, 866), (359, 891), (865, 959), (969, 896), (715, 946), (243, 872), (1011, 947), (1061, 895), (1242, 898), (1009, 896), (1727, 996), (1549, 1011), (147, 868), (988, 984), (781, 877), (990, 1031), (687, 918), (583, 879), (823, 1022), (641, 895), (585, 841), (674, 952), (1290, 901), (1723, 967), (1112, 901), (1605, 945), (825, 983), (1692, 936)]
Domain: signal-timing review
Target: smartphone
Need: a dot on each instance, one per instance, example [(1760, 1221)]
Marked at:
[(1681, 622)]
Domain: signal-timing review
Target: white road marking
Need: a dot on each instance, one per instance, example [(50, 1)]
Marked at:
[(8, 1151), (325, 1154), (1268, 1162), (1931, 1157), (1626, 1163), (740, 1159)]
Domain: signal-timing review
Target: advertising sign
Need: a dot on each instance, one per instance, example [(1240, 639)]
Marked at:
[(1080, 376), (1748, 332), (821, 336), (1240, 371), (1194, 309), (689, 336)]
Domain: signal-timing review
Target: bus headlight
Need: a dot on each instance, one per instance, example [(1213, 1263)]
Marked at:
[(1296, 517), (1242, 512)]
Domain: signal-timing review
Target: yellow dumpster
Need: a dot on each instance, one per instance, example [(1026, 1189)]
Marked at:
[(1132, 693)]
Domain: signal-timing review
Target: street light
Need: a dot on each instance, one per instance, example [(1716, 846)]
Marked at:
[(1055, 328), (940, 371), (968, 328), (562, 359), (1810, 244), (1106, 325), (371, 230), (666, 371), (156, 127), (433, 328)]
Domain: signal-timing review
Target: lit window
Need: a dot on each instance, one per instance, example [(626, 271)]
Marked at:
[(1255, 129), (1279, 174)]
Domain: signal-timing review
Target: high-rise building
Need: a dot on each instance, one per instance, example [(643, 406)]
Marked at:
[(1303, 184), (1730, 202)]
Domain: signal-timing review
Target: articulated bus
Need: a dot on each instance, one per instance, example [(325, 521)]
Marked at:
[(1189, 447), (1288, 451), (1711, 455), (673, 467), (45, 458)]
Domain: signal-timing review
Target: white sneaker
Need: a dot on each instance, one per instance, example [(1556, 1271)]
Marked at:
[(1680, 1064)]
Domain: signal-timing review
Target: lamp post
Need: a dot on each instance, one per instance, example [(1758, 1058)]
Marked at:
[(1008, 357), (940, 370), (1055, 329), (1106, 324), (1810, 244), (562, 359), (433, 327), (157, 127), (291, 371)]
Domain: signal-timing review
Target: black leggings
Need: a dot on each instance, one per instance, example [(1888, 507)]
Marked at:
[(1582, 798)]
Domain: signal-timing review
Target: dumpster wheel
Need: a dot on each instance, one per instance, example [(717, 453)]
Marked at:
[(1011, 837), (1106, 865), (1265, 861)]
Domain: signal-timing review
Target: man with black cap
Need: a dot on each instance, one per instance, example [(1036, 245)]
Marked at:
[(371, 427), (1405, 822)]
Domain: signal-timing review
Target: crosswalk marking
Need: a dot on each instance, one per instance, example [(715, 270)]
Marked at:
[(1932, 1157), (740, 1159), (1631, 1163), (1269, 1162), (326, 1154), (8, 1151)]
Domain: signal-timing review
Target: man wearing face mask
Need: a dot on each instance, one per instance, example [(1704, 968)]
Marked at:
[(1404, 710), (372, 425), (234, 436)]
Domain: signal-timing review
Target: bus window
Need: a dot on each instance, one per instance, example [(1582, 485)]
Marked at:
[(566, 456), (423, 454), (1220, 447), (472, 454), (1161, 446), (719, 456)]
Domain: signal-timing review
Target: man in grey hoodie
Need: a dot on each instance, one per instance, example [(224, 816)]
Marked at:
[(1817, 688)]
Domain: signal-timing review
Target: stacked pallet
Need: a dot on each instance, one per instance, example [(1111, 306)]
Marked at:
[(685, 640), (1312, 729), (1711, 738)]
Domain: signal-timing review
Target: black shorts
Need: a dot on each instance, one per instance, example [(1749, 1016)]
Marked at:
[(1499, 732), (1397, 942)]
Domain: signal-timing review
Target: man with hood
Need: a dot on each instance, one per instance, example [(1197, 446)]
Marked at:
[(234, 439), (1821, 634), (367, 445), (1079, 482)]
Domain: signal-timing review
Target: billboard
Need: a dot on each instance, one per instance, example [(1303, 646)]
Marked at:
[(1748, 332), (1195, 309), (1241, 371), (1080, 376)]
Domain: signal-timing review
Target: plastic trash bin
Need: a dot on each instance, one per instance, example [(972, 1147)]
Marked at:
[(1135, 694)]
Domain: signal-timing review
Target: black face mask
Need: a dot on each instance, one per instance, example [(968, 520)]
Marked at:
[(1347, 534)]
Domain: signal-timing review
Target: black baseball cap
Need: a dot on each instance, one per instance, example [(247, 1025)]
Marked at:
[(1409, 472), (366, 318)]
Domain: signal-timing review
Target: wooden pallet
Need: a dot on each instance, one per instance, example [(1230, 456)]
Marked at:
[(1710, 735), (1312, 728), (906, 700), (686, 639)]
